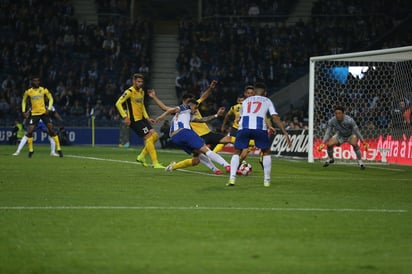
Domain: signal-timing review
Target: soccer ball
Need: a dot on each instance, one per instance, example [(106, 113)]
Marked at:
[(245, 169)]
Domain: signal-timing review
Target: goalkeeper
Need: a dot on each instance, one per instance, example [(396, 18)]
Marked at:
[(346, 130)]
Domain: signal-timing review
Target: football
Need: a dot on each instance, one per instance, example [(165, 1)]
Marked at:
[(245, 168)]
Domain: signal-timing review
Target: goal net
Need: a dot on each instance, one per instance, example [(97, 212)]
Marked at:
[(376, 89)]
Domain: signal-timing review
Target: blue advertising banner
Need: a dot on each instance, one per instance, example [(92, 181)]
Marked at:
[(79, 136)]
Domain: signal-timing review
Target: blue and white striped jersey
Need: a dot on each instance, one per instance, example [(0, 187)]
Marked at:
[(182, 118), (253, 112)]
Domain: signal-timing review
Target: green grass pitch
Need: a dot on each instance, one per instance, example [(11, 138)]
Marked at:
[(98, 211)]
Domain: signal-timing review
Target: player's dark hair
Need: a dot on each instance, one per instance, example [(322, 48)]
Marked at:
[(260, 85), (193, 101), (188, 96), (339, 107), (138, 75), (260, 89), (249, 87)]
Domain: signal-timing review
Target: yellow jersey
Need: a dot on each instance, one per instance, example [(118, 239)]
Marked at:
[(235, 112), (200, 128), (37, 100), (133, 100)]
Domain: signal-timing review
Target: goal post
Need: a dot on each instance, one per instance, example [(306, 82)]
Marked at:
[(376, 89)]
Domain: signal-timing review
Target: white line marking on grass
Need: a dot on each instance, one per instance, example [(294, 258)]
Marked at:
[(366, 210), (137, 163), (102, 159), (384, 168), (371, 165)]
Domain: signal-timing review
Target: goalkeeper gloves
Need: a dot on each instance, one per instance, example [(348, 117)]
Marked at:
[(366, 145), (322, 146)]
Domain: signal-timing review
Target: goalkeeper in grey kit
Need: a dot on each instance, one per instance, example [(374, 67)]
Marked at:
[(346, 130)]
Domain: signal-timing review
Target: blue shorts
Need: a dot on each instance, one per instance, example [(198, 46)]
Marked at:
[(244, 136), (187, 140)]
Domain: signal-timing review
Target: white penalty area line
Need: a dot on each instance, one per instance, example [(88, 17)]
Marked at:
[(196, 207), (372, 165)]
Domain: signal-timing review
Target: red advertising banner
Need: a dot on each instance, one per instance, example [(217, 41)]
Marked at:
[(383, 149)]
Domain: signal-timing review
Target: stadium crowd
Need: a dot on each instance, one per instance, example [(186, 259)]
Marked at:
[(238, 42)]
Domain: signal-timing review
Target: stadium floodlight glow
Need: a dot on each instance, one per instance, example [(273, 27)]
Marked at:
[(371, 85)]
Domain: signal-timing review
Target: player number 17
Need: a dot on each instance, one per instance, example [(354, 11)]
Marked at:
[(255, 105)]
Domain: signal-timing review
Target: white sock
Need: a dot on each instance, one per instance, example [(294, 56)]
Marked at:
[(216, 158), (23, 141), (207, 162), (267, 167), (234, 163), (52, 145)]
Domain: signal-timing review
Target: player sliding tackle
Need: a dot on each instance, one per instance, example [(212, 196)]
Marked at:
[(183, 136), (346, 130)]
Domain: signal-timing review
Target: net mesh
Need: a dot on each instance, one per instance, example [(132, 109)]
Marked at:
[(376, 94)]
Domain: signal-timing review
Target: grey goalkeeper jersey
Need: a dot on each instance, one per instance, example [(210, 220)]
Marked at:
[(344, 128)]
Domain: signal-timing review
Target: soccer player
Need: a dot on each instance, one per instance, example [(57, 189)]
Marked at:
[(252, 126), (346, 130), (235, 112), (202, 129), (234, 115), (37, 96), (42, 126), (182, 135), (135, 116)]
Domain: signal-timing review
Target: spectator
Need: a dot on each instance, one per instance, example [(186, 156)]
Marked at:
[(405, 110), (8, 84), (77, 109), (253, 10), (195, 63)]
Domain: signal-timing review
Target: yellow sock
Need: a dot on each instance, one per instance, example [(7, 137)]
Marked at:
[(144, 152), (150, 147), (155, 137), (30, 143), (218, 147), (183, 164), (57, 141)]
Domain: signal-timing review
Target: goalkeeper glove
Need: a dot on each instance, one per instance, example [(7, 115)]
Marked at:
[(322, 146), (366, 145)]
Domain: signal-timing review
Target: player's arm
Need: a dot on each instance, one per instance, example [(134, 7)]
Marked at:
[(357, 132), (279, 123), (119, 105), (326, 136), (166, 113), (271, 129), (50, 97), (146, 115), (207, 92), (152, 94), (206, 119), (24, 104), (226, 120)]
